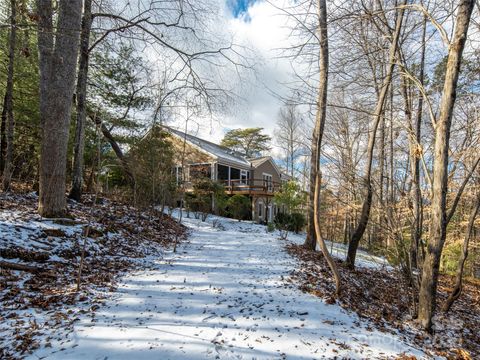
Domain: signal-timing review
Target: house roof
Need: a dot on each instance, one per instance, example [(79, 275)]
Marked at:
[(259, 161), (256, 162), (224, 153), (218, 151)]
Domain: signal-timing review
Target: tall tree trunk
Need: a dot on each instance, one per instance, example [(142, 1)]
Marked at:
[(379, 110), (457, 289), (77, 180), (416, 231), (381, 203), (438, 228), (7, 170), (3, 135), (58, 61), (311, 241), (318, 134)]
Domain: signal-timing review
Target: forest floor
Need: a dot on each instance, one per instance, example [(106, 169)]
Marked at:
[(381, 296), (40, 304), (226, 293), (232, 291)]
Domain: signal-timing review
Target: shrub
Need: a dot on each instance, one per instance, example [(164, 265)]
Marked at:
[(298, 222), (239, 207), (289, 222), (151, 161), (283, 222), (200, 200), (290, 198), (270, 227)]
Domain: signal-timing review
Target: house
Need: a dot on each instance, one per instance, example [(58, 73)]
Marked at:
[(257, 178)]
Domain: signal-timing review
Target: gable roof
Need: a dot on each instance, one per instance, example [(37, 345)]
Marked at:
[(256, 162), (218, 151)]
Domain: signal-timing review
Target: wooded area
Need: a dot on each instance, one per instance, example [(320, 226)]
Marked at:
[(377, 144)]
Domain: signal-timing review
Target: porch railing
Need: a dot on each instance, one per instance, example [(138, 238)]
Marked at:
[(251, 185)]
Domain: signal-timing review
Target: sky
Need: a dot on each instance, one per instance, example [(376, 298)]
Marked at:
[(259, 26)]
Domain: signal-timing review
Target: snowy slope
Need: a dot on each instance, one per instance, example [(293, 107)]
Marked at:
[(223, 295)]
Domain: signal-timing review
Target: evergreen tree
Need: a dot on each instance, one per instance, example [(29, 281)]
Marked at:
[(249, 141)]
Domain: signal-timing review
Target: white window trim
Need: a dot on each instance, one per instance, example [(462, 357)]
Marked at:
[(243, 173), (270, 181)]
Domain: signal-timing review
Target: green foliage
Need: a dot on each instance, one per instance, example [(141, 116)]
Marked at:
[(250, 141), (151, 161), (290, 196), (239, 207), (290, 222), (25, 94), (270, 227), (206, 191), (118, 82), (468, 80), (297, 222), (117, 88), (221, 201)]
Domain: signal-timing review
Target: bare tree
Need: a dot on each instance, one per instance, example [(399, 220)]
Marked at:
[(81, 97), (288, 136), (378, 114), (177, 31), (416, 231), (318, 134), (438, 224), (457, 288)]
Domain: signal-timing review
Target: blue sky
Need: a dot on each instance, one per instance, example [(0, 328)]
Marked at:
[(239, 7)]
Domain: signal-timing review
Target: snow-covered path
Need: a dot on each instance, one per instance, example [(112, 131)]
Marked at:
[(221, 296)]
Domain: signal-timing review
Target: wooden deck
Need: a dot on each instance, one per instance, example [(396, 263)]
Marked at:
[(251, 187)]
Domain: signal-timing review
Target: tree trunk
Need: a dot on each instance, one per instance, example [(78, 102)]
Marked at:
[(3, 135), (381, 203), (318, 134), (379, 110), (77, 180), (457, 289), (321, 240), (7, 170), (310, 241), (416, 231), (58, 60), (115, 147), (437, 234)]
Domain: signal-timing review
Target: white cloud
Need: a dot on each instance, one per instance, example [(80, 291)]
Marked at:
[(263, 30)]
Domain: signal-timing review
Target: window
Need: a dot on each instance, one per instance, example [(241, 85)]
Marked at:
[(244, 176), (234, 174), (267, 181), (260, 210), (222, 172), (179, 174), (198, 171)]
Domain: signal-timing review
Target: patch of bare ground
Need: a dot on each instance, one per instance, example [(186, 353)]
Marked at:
[(382, 297)]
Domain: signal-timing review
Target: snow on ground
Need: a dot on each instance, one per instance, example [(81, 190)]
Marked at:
[(34, 304), (363, 258), (223, 295)]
